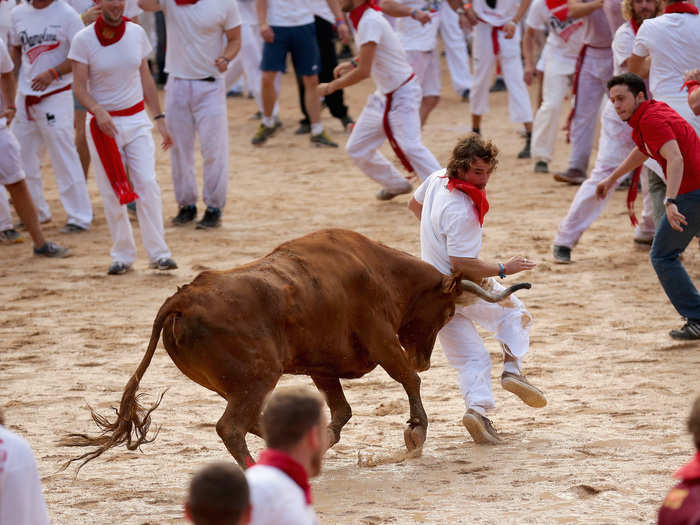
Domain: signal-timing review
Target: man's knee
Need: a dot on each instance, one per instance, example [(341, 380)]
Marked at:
[(310, 81)]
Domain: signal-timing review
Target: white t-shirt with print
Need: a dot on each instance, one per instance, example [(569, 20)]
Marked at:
[(131, 9), (195, 36), (114, 80), (415, 36), (501, 14), (276, 499), (390, 67), (45, 36), (564, 40), (21, 498), (449, 224), (289, 13)]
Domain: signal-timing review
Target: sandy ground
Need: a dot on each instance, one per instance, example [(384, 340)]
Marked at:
[(619, 388)]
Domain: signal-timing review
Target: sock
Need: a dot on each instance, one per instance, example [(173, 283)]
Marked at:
[(317, 128), (268, 122), (512, 367)]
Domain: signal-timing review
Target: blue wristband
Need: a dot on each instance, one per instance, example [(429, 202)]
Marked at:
[(501, 271)]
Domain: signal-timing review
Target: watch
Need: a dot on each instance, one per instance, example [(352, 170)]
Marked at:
[(501, 271), (669, 200)]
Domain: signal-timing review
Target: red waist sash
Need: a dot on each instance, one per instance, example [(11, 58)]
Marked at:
[(32, 100), (390, 134)]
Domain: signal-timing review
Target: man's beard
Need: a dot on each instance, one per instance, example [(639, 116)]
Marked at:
[(111, 21)]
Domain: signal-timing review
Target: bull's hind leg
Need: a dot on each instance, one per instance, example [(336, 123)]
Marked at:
[(340, 408)]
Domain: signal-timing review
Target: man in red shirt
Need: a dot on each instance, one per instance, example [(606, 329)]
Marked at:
[(661, 133)]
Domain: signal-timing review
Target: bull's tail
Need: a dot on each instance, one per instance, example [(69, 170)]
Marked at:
[(133, 420), (491, 297)]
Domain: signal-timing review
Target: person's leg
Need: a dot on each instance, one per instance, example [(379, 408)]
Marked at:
[(644, 231), (484, 62), (430, 85), (5, 214), (160, 47), (273, 61), (657, 190), (546, 124), (181, 123), (455, 50), (81, 141), (519, 106), (22, 201), (325, 38)]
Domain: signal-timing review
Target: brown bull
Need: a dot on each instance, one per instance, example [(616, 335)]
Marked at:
[(331, 305)]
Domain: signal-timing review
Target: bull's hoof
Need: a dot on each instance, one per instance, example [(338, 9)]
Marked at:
[(414, 437)]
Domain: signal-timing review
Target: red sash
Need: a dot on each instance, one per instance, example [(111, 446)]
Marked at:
[(186, 2), (632, 195), (577, 74), (283, 462), (681, 7), (494, 39), (390, 134), (356, 14), (109, 155), (108, 35), (32, 100), (478, 196)]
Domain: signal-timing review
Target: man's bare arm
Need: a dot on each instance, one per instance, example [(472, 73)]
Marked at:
[(150, 5), (639, 65), (580, 9), (354, 76), (415, 207)]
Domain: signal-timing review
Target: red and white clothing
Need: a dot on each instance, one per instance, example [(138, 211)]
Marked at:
[(682, 503), (289, 13), (44, 36), (195, 96), (276, 499), (486, 34), (450, 227), (392, 75), (21, 498), (115, 84), (10, 163)]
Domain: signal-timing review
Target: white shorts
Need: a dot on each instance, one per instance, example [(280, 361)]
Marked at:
[(10, 165), (426, 65)]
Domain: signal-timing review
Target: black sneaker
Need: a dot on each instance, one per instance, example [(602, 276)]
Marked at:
[(525, 152), (465, 95), (689, 332), (498, 85), (185, 215), (131, 207), (571, 176), (303, 129), (263, 134), (347, 122), (322, 139), (118, 268), (73, 228), (541, 167), (164, 263), (52, 250), (211, 219), (10, 236), (562, 254)]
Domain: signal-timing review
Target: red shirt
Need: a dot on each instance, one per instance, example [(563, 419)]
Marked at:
[(653, 124), (682, 504)]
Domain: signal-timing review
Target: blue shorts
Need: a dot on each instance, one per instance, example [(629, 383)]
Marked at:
[(300, 41)]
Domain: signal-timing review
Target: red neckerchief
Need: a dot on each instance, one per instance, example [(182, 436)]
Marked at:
[(635, 25), (108, 35), (186, 2), (690, 470), (558, 8), (681, 7), (692, 85), (637, 115), (283, 462), (356, 14), (477, 196)]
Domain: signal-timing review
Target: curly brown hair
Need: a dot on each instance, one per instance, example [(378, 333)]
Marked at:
[(628, 11), (467, 149), (694, 422)]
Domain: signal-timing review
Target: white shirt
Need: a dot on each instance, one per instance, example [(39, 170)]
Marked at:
[(131, 9), (114, 80), (5, 8), (195, 36), (503, 13), (276, 499), (321, 9), (673, 42), (45, 36), (622, 47), (6, 66), (289, 13), (21, 499), (248, 11), (415, 36), (390, 67), (564, 40), (449, 223)]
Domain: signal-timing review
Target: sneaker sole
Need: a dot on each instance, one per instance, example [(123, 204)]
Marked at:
[(573, 182), (477, 431), (562, 261), (530, 395)]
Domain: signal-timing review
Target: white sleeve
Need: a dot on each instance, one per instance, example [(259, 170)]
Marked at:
[(233, 15), (537, 16), (369, 31), (75, 24), (641, 43), (622, 45), (79, 50), (463, 232), (419, 194), (21, 499)]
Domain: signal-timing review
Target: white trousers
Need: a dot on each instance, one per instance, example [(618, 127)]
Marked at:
[(52, 127), (137, 150), (596, 70), (426, 66), (614, 145), (196, 106), (456, 50), (5, 213), (519, 106), (555, 88), (10, 173), (368, 135), (510, 323)]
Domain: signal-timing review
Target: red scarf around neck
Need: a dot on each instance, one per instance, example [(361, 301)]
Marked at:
[(108, 35), (356, 14), (681, 7), (558, 8), (692, 85), (690, 470), (186, 2), (635, 25), (477, 196), (283, 462)]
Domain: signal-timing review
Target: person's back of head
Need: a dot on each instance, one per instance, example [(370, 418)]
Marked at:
[(694, 422), (218, 495), (288, 415)]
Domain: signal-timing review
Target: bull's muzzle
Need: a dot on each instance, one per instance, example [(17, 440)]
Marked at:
[(491, 297)]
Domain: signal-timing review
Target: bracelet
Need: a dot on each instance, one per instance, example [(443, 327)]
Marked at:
[(13, 108), (339, 22), (160, 115), (353, 62), (413, 13), (55, 73), (501, 271)]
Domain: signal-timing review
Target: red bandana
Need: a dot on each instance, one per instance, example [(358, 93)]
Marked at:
[(690, 470), (558, 8), (477, 196), (681, 7), (692, 85), (186, 2), (282, 461), (108, 35), (356, 14), (635, 25)]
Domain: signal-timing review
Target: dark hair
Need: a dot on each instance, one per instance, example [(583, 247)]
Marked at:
[(467, 149), (694, 422), (634, 83), (218, 495), (288, 414)]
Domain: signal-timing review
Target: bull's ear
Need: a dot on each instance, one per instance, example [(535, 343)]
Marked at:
[(450, 284)]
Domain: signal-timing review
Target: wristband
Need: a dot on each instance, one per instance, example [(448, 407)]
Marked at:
[(353, 62), (501, 271), (160, 115), (670, 200), (339, 22), (13, 108), (413, 13), (55, 74)]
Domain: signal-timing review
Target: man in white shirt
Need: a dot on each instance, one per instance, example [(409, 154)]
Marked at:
[(110, 57), (195, 100), (40, 37), (294, 424), (451, 205), (392, 112), (218, 495), (562, 46)]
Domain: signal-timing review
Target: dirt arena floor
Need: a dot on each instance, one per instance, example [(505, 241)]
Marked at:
[(619, 388)]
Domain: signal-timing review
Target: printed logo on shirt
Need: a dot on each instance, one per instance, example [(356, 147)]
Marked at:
[(35, 45), (565, 28), (51, 119), (675, 498)]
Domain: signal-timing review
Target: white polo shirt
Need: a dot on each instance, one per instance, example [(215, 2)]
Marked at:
[(622, 46), (449, 224), (114, 80), (276, 499), (673, 42), (45, 36), (390, 67), (501, 14), (195, 36), (21, 498), (289, 13), (414, 35), (564, 40)]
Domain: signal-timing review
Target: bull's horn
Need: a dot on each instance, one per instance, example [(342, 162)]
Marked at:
[(470, 286)]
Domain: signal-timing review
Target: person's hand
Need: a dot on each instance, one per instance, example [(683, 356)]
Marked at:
[(509, 30), (164, 134), (529, 75), (9, 114), (518, 264), (268, 35), (324, 89), (601, 191), (343, 33), (343, 68), (675, 218), (692, 74), (91, 15), (105, 122), (221, 64), (42, 81), (598, 3), (422, 16)]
